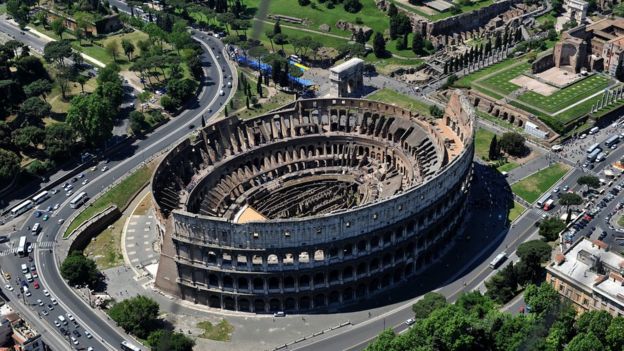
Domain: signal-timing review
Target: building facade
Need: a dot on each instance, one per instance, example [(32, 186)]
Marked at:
[(321, 203)]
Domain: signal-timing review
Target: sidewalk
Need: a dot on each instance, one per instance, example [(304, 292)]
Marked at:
[(47, 38)]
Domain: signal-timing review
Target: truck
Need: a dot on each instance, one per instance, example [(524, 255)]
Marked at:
[(62, 320), (29, 277)]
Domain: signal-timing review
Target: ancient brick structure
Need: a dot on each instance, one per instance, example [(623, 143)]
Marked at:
[(321, 203)]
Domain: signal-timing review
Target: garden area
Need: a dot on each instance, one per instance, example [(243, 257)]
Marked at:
[(392, 97), (533, 186), (515, 211)]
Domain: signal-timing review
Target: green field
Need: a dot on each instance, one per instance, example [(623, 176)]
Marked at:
[(533, 186), (483, 138), (401, 100), (508, 166), (120, 195), (501, 82), (222, 331), (515, 211), (567, 96), (466, 81)]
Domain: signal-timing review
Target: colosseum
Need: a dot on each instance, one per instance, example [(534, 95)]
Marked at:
[(318, 204)]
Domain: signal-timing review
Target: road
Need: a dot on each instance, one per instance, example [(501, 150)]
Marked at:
[(105, 336)]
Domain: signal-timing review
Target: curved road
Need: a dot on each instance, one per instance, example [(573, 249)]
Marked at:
[(208, 103)]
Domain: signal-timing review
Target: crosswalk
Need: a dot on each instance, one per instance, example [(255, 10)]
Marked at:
[(42, 245)]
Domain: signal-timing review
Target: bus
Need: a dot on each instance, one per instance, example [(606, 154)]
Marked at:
[(41, 197), (612, 140), (126, 346), (498, 260), (78, 200), (21, 208), (591, 157), (592, 148), (21, 247), (543, 199), (549, 204)]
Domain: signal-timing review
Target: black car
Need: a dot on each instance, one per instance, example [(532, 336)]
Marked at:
[(76, 333), (63, 331)]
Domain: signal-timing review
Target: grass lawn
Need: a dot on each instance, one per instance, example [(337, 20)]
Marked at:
[(620, 221), (387, 65), (515, 211), (118, 195), (508, 166), (533, 186), (466, 81), (220, 332), (401, 100), (483, 138), (105, 248), (501, 82), (55, 99), (567, 96), (2, 9)]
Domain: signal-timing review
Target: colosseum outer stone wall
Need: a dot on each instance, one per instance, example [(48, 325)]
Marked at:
[(321, 203)]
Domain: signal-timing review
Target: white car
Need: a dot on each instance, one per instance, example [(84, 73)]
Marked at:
[(39, 302), (88, 334), (45, 292), (221, 92), (69, 193), (105, 168), (9, 287), (54, 302), (74, 340), (85, 181), (70, 317), (30, 248), (56, 206), (410, 321), (60, 221), (45, 312), (57, 323), (54, 191)]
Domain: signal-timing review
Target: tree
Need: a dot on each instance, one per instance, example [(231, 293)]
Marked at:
[(570, 199), (34, 109), (40, 87), (57, 51), (418, 44), (430, 302), (277, 29), (137, 122), (63, 76), (79, 270), (513, 144), (168, 103), (92, 117), (82, 80), (534, 251), (259, 86), (181, 89), (113, 49), (392, 10), (435, 111), (550, 228), (59, 140), (589, 181), (615, 334), (352, 6), (494, 151), (503, 285), (58, 27), (28, 137), (542, 299), (585, 342), (165, 340), (9, 165), (128, 48), (379, 45), (276, 71), (83, 21), (137, 315), (111, 92)]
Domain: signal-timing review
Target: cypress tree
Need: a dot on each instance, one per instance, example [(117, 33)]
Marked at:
[(276, 28), (259, 86), (493, 154)]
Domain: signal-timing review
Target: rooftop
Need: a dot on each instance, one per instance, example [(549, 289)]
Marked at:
[(347, 64)]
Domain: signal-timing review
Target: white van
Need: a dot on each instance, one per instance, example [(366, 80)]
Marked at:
[(594, 130), (62, 320), (26, 291), (36, 228), (24, 268)]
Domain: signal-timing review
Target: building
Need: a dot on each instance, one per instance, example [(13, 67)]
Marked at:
[(590, 276), (96, 27), (26, 338), (319, 204)]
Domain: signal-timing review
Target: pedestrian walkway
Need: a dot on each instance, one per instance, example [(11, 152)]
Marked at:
[(140, 238)]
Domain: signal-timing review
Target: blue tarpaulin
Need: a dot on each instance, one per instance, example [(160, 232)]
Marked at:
[(267, 70)]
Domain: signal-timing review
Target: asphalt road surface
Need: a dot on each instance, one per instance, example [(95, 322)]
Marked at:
[(104, 336)]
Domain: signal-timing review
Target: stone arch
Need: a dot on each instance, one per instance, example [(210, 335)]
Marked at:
[(259, 306), (304, 303), (347, 294), (334, 297), (304, 281), (290, 304), (243, 283), (275, 305), (274, 283), (258, 284), (319, 278), (228, 303), (289, 282), (228, 282), (319, 300), (214, 301), (244, 305)]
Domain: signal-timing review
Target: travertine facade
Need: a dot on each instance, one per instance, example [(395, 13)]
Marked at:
[(321, 203)]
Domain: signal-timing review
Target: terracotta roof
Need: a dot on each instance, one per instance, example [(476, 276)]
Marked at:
[(601, 244), (560, 258)]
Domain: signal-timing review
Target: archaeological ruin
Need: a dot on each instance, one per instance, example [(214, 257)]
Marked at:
[(321, 203)]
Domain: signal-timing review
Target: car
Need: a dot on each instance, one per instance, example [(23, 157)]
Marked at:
[(66, 185), (279, 314), (613, 147), (69, 193), (45, 292), (61, 220), (89, 348), (9, 287), (46, 217), (50, 307), (30, 248), (37, 214), (7, 275), (69, 187), (74, 179), (39, 302), (54, 302), (76, 333), (221, 92), (36, 284), (88, 334), (105, 168), (49, 208), (74, 340), (57, 323), (566, 188), (94, 168), (45, 312), (81, 175), (54, 191), (56, 206), (85, 181), (63, 331), (410, 321), (70, 317), (34, 274), (556, 190)]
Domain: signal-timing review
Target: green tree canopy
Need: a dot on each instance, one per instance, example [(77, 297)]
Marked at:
[(91, 117), (550, 228), (589, 181), (513, 144), (379, 45), (585, 342), (534, 251), (503, 285), (137, 315), (59, 140), (9, 165), (570, 199), (542, 299), (34, 109), (430, 301), (40, 87), (165, 340), (57, 51), (78, 270), (28, 137)]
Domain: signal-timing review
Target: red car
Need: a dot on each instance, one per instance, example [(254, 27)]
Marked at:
[(36, 284)]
